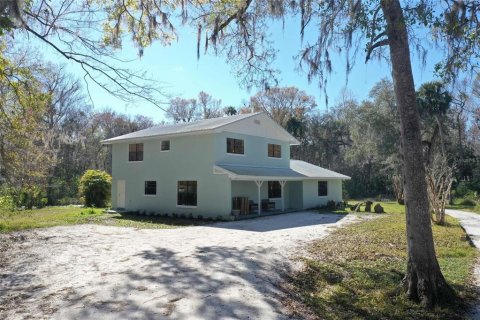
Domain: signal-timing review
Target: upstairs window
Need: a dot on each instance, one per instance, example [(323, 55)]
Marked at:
[(274, 150), (165, 145), (322, 188), (187, 193), (150, 188), (274, 190), (135, 152), (235, 146)]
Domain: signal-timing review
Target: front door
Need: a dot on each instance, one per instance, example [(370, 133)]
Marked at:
[(121, 194)]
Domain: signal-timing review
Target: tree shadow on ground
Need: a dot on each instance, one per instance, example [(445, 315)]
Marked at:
[(280, 222), (219, 282)]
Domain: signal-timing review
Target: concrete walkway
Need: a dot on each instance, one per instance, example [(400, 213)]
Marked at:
[(471, 223), (221, 271)]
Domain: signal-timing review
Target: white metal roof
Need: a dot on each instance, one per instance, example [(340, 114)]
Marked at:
[(194, 127), (298, 170), (313, 171)]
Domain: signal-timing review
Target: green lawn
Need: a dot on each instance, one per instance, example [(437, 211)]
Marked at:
[(355, 273), (68, 215)]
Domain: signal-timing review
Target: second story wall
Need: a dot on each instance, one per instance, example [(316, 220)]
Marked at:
[(255, 151)]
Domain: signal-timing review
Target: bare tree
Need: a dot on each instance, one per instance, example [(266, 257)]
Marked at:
[(183, 110), (283, 103), (439, 182), (210, 107)]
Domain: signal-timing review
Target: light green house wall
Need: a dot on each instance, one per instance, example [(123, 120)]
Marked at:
[(189, 158), (310, 193), (192, 157), (256, 151)]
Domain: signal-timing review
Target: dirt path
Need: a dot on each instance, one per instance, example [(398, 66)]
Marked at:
[(222, 271), (471, 223)]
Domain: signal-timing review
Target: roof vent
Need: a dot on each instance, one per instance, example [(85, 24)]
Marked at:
[(256, 121)]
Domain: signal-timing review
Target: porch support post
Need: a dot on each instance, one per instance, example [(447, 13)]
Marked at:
[(282, 184), (259, 185)]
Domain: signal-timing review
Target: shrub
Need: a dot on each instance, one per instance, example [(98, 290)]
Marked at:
[(95, 188), (7, 203), (468, 202), (331, 205)]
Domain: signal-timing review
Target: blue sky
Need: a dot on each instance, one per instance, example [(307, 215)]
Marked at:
[(176, 67)]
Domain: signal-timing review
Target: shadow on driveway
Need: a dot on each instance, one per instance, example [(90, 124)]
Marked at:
[(282, 221)]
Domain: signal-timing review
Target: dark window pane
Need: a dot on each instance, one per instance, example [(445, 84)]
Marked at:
[(322, 188), (235, 146), (274, 189), (151, 187), (135, 152), (165, 145), (187, 193), (274, 150)]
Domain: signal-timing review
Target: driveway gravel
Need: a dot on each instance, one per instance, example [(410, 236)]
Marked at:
[(225, 270)]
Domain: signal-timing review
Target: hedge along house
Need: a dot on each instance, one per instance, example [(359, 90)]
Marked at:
[(228, 166)]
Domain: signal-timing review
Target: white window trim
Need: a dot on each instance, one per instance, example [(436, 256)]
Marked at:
[(150, 195), (134, 161), (236, 154), (186, 206)]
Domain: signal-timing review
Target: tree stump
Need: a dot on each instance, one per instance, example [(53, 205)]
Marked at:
[(356, 207), (368, 206), (378, 208)]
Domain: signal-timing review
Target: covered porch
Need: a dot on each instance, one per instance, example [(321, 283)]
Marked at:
[(262, 190)]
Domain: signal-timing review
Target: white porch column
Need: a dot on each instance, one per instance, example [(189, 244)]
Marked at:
[(259, 185), (282, 184)]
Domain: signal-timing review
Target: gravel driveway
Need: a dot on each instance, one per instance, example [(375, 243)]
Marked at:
[(221, 271)]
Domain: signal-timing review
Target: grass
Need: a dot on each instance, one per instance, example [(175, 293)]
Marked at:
[(355, 273), (69, 215), (459, 205)]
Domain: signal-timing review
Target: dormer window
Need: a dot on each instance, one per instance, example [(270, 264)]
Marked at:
[(235, 146), (274, 150), (135, 152)]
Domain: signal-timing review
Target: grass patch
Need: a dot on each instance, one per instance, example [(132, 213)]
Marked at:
[(357, 270), (68, 215)]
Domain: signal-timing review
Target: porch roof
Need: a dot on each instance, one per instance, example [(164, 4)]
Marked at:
[(298, 170)]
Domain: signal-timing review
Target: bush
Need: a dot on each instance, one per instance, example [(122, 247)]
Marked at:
[(23, 197), (7, 203), (468, 202), (95, 188)]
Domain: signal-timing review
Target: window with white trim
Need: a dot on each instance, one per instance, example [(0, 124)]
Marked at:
[(135, 152), (235, 146), (150, 188), (187, 193), (322, 188)]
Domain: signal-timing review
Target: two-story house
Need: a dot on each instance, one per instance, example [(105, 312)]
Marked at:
[(216, 167)]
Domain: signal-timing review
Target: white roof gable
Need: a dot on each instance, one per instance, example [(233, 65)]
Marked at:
[(251, 123)]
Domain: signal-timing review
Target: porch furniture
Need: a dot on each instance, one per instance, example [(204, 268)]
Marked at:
[(253, 207), (240, 205), (267, 205)]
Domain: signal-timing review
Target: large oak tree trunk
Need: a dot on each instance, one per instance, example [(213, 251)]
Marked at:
[(424, 281)]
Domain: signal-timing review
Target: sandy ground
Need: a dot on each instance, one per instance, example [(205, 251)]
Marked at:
[(222, 271), (471, 223)]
